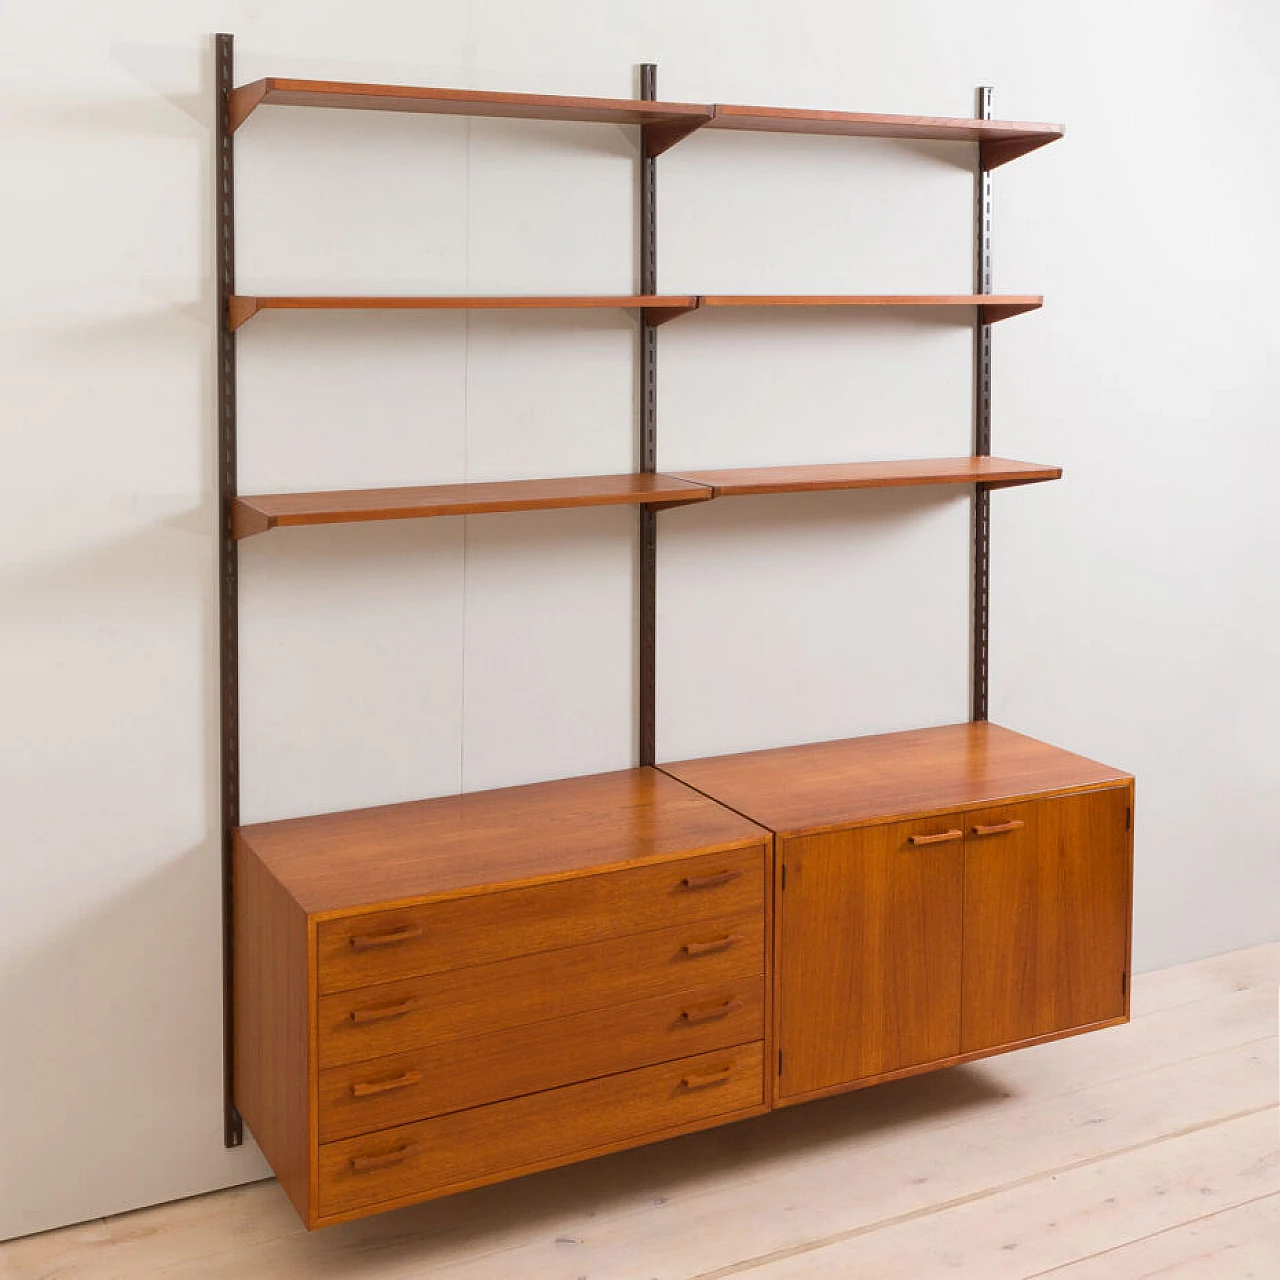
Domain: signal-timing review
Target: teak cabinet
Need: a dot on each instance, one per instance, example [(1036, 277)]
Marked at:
[(959, 934), (435, 995), (431, 996)]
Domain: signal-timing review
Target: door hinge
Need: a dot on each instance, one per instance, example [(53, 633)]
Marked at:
[(1128, 818), (784, 877), (779, 1061), (1124, 983)]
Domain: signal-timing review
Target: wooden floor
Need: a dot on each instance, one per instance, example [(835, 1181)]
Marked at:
[(1146, 1150)]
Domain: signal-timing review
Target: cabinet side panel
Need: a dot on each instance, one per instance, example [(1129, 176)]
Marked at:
[(272, 1084)]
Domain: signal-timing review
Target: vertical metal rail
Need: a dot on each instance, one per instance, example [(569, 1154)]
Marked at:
[(648, 431), (228, 563), (981, 540)]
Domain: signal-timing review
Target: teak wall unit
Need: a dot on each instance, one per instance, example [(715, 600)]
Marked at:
[(430, 996)]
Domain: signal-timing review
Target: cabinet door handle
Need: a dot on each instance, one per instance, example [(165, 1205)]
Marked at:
[(709, 1013), (943, 837), (367, 1088), (380, 1011), (716, 944), (709, 882), (708, 1079), (996, 828), (370, 1164), (367, 941)]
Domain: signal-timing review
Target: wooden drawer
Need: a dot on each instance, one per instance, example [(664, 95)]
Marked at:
[(436, 1079), (357, 951), (393, 1017), (517, 1136)]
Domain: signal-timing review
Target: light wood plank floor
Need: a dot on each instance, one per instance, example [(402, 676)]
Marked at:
[(1146, 1150)]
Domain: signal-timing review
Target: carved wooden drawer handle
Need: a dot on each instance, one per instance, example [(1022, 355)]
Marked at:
[(716, 944), (709, 882), (943, 837), (367, 1088), (367, 941), (380, 1011), (996, 828), (371, 1164), (708, 1080), (709, 1013)]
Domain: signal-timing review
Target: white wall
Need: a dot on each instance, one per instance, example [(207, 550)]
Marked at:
[(1135, 604)]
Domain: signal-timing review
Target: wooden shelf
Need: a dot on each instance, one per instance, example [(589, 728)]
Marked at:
[(488, 839), (993, 306), (1002, 140), (666, 122), (656, 310), (251, 515), (996, 472), (827, 786)]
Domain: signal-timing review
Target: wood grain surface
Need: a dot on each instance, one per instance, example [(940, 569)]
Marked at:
[(242, 307), (272, 1068), (487, 839), (869, 951), (1046, 917), (996, 472), (824, 786), (455, 1074), (356, 951), (484, 1144), (257, 514), (371, 1022), (462, 102)]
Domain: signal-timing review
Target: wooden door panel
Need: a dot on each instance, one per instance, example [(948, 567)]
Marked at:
[(868, 966), (1046, 921)]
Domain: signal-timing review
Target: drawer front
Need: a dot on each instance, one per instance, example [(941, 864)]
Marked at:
[(358, 951), (393, 1017), (366, 1096), (484, 1144)]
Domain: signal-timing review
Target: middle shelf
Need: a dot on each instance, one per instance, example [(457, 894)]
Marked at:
[(257, 514)]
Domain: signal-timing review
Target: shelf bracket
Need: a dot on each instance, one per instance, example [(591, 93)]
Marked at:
[(660, 137)]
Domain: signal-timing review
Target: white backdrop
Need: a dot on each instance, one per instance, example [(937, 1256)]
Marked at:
[(1135, 603)]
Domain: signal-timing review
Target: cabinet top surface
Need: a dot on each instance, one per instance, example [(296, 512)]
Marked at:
[(828, 785), (455, 844)]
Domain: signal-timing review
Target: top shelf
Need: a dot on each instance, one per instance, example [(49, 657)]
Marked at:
[(666, 122)]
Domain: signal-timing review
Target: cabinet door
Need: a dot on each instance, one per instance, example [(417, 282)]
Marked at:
[(868, 958), (1046, 919)]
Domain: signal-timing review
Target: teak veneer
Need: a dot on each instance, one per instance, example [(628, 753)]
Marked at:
[(257, 514), (825, 786), (668, 122), (656, 310), (995, 472), (484, 942)]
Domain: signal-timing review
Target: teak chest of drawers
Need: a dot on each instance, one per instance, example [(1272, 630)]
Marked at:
[(436, 995)]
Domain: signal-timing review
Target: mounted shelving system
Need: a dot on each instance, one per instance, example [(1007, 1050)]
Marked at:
[(434, 995)]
